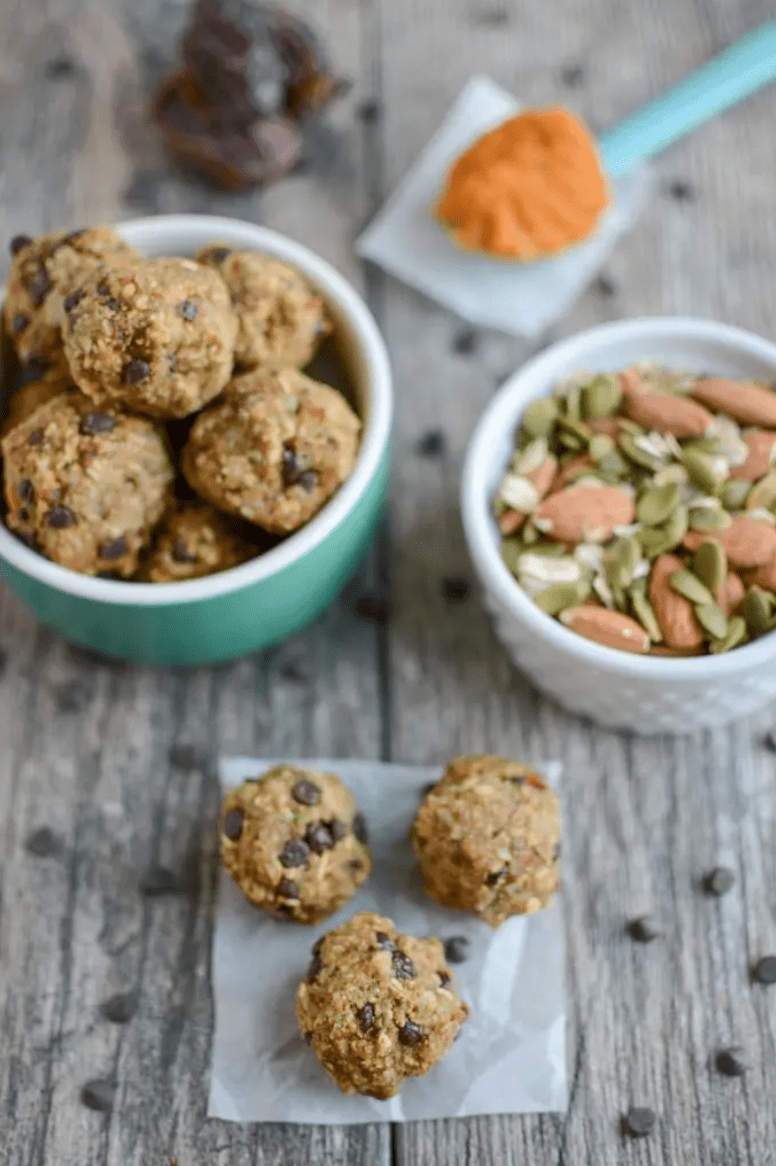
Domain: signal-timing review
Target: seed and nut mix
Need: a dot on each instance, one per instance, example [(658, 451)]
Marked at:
[(639, 509)]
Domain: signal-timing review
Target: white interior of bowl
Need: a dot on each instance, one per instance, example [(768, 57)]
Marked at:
[(698, 345), (363, 350)]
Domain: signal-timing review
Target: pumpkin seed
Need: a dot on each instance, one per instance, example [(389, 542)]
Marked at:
[(710, 565), (734, 494), (551, 550), (756, 610), (671, 473), (632, 427), (763, 493), (530, 533), (621, 560), (600, 445), (709, 518), (642, 609), (613, 465), (511, 550), (656, 505), (628, 446), (699, 468), (713, 619), (708, 444), (676, 526), (556, 598), (690, 586), (736, 635), (540, 417), (602, 396)]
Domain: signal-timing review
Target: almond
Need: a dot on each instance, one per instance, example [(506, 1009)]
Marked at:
[(583, 462), (746, 403), (664, 413), (510, 521), (584, 513), (677, 653), (544, 475), (732, 594), (608, 425), (610, 628), (630, 382), (674, 613), (748, 542), (760, 444), (765, 575)]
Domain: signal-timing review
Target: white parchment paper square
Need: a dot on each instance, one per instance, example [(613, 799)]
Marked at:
[(519, 298), (510, 1057)]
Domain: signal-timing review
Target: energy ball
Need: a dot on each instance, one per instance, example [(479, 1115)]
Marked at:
[(295, 843), (487, 837), (196, 540), (156, 336), (44, 272), (274, 449), (85, 487), (281, 318), (378, 1007)]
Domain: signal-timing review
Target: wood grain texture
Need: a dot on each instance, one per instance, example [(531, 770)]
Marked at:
[(94, 751)]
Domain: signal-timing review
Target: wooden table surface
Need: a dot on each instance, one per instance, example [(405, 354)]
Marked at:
[(118, 762)]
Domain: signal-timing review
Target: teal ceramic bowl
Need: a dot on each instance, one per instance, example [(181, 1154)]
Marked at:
[(261, 602)]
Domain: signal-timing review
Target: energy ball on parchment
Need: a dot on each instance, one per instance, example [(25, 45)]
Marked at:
[(274, 449), (282, 319), (295, 843), (488, 838), (378, 1007), (85, 487), (156, 335), (44, 272), (31, 396), (196, 540)]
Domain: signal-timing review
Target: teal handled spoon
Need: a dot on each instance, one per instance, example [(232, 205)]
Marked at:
[(723, 81)]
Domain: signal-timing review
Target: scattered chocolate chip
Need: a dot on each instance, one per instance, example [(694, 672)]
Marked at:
[(732, 1061), (180, 552), (98, 1094), (71, 697), (188, 309), (444, 979), (38, 285), (402, 966), (466, 341), (455, 590), (316, 964), (769, 741), (456, 949), (318, 837), (33, 369), (643, 929), (102, 289), (294, 674), (337, 829), (294, 853), (639, 1121), (307, 480), (374, 608), (292, 468), (360, 828), (431, 444), (370, 111), (135, 371), (288, 889), (410, 1033), (24, 514), (60, 517), (121, 1008), (184, 757), (495, 876), (305, 792), (366, 1017), (18, 243), (384, 940), (764, 971), (158, 880), (25, 490), (36, 437), (42, 842), (284, 911), (113, 548), (308, 1038), (682, 191), (219, 254), (719, 881), (72, 300), (233, 824), (58, 69), (19, 322), (355, 866), (605, 286), (573, 75)]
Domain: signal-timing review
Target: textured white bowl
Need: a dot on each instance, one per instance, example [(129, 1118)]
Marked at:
[(647, 694)]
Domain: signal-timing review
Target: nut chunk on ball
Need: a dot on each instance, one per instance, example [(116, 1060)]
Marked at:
[(295, 843), (488, 838), (378, 1007)]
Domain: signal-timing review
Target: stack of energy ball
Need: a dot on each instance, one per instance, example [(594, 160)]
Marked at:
[(167, 432), (377, 1006)]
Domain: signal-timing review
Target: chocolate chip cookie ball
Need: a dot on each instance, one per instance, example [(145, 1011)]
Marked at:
[(196, 540), (85, 487), (295, 843), (156, 336), (44, 272), (281, 318), (31, 396), (273, 449), (378, 1007), (487, 837)]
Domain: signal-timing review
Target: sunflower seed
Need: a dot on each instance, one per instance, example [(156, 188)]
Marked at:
[(729, 441), (656, 505), (531, 457), (763, 515), (603, 591), (540, 417), (710, 565), (690, 586), (736, 635), (756, 610), (545, 570), (519, 493), (627, 443), (713, 619)]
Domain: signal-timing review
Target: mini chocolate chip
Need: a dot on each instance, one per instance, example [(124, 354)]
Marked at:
[(288, 889), (732, 1062), (556, 852), (18, 243), (643, 929), (431, 444), (219, 253), (369, 111), (366, 1017), (384, 940), (36, 437), (402, 966), (305, 792), (495, 876), (19, 323), (318, 837), (308, 1038), (764, 970), (24, 514), (411, 1034), (25, 490), (158, 880), (307, 480), (427, 788), (233, 823), (94, 423), (455, 590), (374, 608), (682, 191), (316, 963), (573, 75), (38, 286), (42, 842), (456, 949), (60, 517), (121, 1008), (337, 829), (444, 979), (605, 286), (188, 309), (292, 468), (98, 1094), (719, 881), (184, 757), (355, 866), (640, 1121), (180, 552), (294, 853), (466, 341), (360, 828), (135, 371), (72, 299), (172, 363), (111, 575), (72, 236), (114, 548), (102, 289)]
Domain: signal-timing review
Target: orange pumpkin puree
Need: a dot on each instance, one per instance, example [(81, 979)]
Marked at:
[(527, 189)]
